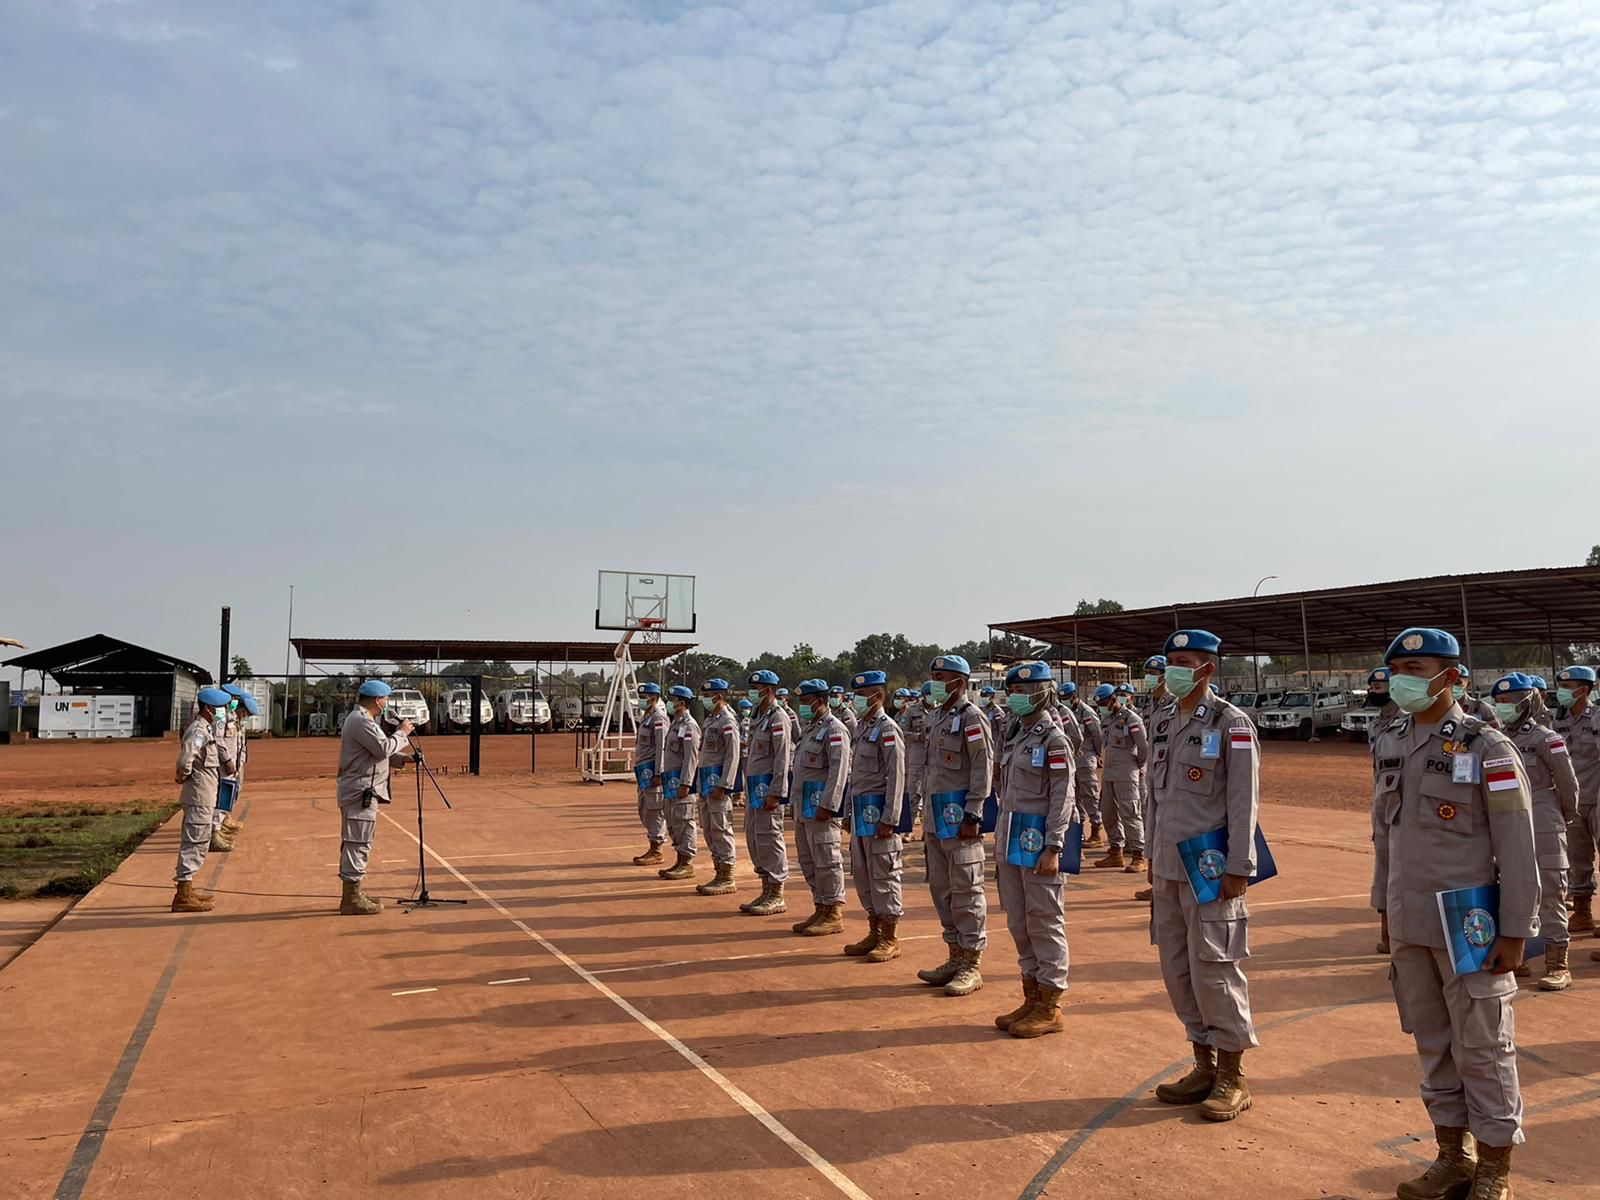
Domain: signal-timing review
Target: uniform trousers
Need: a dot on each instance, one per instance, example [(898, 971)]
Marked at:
[(876, 868), (1035, 916), (194, 838), (1466, 1038), (1553, 903), (1087, 779), (816, 844), (1202, 949), (716, 818), (356, 829), (763, 838), (683, 826), (653, 815), (1583, 839), (1123, 808), (955, 880)]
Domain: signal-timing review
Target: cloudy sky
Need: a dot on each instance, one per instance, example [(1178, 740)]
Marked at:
[(904, 316)]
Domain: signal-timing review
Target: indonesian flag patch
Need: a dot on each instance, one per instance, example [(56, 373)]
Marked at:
[(888, 739), (1558, 745), (1240, 739), (1500, 774), (1058, 760), (975, 733), (835, 740)]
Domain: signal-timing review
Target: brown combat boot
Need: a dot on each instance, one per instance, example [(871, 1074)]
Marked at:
[(356, 903), (888, 946), (683, 868), (1557, 972), (230, 826), (220, 843), (1113, 859), (749, 904), (967, 978), (1045, 1017), (1582, 918), (808, 922), (1230, 1094), (1136, 864), (721, 882), (1030, 997), (831, 921), (1146, 893), (945, 971), (650, 857), (1196, 1085), (771, 902), (1450, 1175), (186, 900), (1093, 840), (1493, 1178), (867, 944)]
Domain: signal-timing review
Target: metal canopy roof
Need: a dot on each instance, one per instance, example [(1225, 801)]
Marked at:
[(102, 661), (1549, 606), (358, 650)]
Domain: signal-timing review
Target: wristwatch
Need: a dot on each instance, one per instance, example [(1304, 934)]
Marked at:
[(1052, 849), (969, 819)]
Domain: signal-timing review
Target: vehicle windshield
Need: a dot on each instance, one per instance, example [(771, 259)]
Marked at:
[(408, 696), (520, 697), (538, 695), (1246, 702), (1295, 700)]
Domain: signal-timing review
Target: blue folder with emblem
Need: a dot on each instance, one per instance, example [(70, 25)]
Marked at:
[(868, 812), (710, 779), (948, 810), (645, 774), (1072, 852), (758, 786), (810, 796), (671, 781), (1025, 843), (1471, 921), (991, 814), (908, 814), (1205, 858), (227, 794)]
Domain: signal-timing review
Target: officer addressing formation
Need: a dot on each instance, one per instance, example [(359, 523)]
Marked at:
[(1465, 794)]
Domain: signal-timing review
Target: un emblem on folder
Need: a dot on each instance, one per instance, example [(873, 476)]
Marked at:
[(953, 814), (871, 814), (1211, 864), (1032, 840), (1478, 928)]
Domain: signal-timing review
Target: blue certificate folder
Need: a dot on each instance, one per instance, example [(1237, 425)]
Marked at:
[(1206, 855), (227, 794), (758, 786), (1471, 921), (1025, 843), (811, 797)]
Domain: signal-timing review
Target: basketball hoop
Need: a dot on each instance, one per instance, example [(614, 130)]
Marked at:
[(650, 629)]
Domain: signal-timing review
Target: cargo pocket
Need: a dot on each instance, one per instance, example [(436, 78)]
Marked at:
[(1224, 941), (966, 867), (1406, 1024), (1490, 1023)]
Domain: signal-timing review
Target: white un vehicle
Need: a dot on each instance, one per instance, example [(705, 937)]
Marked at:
[(1301, 715), (407, 704), (455, 710), (521, 709)]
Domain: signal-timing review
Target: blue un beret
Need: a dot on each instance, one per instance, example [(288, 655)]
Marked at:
[(1378, 675), (1104, 692), (988, 691), (767, 678), (1069, 688), (927, 687), (234, 690), (649, 689), (1125, 689), (903, 693), (1514, 682), (245, 699), (836, 690), (1538, 682), (1029, 672), (374, 689), (1200, 641), (1156, 661), (812, 687), (1423, 643), (1576, 675), (679, 692), (950, 662), (715, 685), (213, 697), (782, 692), (745, 706), (869, 679)]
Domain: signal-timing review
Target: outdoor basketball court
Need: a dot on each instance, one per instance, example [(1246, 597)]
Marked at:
[(582, 1028)]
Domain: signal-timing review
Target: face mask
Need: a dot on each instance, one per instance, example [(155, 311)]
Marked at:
[(1458, 691), (1019, 704), (1507, 713), (835, 701), (861, 704), (710, 702), (753, 695), (233, 706), (1151, 681), (1180, 681), (1411, 692), (937, 692), (1565, 697), (1103, 710), (1377, 699), (807, 712)]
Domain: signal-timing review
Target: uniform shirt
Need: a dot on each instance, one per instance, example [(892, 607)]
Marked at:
[(1093, 738), (1472, 706), (682, 751), (914, 724), (878, 765), (1554, 786), (720, 745), (1444, 835), (1125, 745), (650, 741), (847, 715), (1204, 775), (960, 754), (1381, 720), (744, 738), (771, 749), (234, 736), (365, 756), (1582, 731), (793, 718), (823, 755), (1036, 777), (202, 755)]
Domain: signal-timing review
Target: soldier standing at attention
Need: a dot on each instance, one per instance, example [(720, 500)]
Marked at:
[(914, 727), (1205, 776), (225, 826), (1125, 781), (1459, 815), (204, 756), (1554, 787), (789, 716), (767, 789), (1086, 772), (1473, 706), (679, 766), (878, 784), (649, 753), (746, 708), (1388, 712), (719, 769), (957, 782), (1578, 720), (821, 773), (1155, 678), (1036, 798), (365, 756), (840, 707)]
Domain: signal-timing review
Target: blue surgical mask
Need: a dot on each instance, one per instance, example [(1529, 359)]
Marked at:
[(1105, 710), (1020, 704), (1152, 680), (807, 711), (1458, 691), (753, 695), (1180, 680), (1508, 713), (1411, 692), (861, 704), (1565, 697)]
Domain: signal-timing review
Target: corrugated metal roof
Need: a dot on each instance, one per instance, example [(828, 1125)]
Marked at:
[(98, 659), (355, 650)]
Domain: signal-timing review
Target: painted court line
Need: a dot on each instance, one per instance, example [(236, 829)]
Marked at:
[(519, 979), (774, 1126), (689, 962), (413, 991)]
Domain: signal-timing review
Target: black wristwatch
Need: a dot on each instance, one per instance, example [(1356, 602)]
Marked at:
[(969, 819), (1052, 849)]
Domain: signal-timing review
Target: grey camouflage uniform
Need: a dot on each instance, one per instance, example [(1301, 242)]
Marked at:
[(1036, 778), (1126, 748), (1554, 786), (366, 755), (771, 754), (650, 746), (877, 768), (1086, 772), (719, 767), (959, 771), (203, 758), (682, 754), (821, 767), (1582, 731)]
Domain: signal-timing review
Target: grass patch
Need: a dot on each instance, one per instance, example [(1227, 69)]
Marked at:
[(66, 849)]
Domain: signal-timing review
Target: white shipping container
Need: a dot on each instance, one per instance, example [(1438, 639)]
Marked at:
[(79, 716), (261, 692), (113, 717)]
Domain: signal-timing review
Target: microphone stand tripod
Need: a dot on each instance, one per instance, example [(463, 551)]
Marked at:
[(422, 899)]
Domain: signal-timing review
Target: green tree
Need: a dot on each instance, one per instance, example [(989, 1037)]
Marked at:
[(241, 667), (1594, 557), (1089, 608)]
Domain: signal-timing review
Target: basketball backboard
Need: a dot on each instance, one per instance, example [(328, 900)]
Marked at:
[(636, 600)]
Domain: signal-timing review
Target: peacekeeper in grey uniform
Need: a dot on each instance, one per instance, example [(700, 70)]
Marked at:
[(1387, 713), (745, 710), (821, 774), (957, 779), (877, 792), (767, 791), (839, 705), (719, 769), (204, 756), (1155, 677), (225, 825), (649, 756), (1578, 720), (1126, 748), (1086, 770), (1205, 776), (789, 716), (1459, 815), (1473, 706), (1036, 799), (679, 767), (366, 755), (1554, 786), (913, 723)]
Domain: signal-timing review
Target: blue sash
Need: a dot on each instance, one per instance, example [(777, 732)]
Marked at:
[(645, 773), (709, 778), (908, 814), (810, 794), (671, 781), (227, 793), (949, 808), (991, 814), (758, 785), (868, 814)]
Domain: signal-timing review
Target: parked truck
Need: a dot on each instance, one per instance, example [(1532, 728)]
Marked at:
[(1303, 715)]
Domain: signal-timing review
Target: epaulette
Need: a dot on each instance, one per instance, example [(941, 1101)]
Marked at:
[(1470, 728)]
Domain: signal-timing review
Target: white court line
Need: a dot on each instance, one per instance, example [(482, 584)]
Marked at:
[(774, 1126), (686, 962), (414, 992), (537, 853), (519, 979)]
